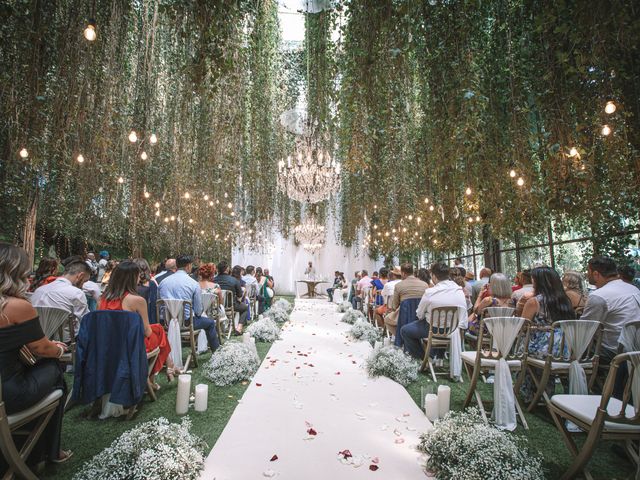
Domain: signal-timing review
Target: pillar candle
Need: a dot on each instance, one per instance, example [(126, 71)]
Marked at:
[(377, 345), (386, 342), (202, 395), (444, 398), (431, 406), (252, 344), (246, 337), (184, 390)]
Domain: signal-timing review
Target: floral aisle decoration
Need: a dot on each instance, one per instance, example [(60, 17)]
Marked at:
[(156, 449), (283, 304), (393, 363), (278, 313), (352, 316), (264, 330), (344, 307), (232, 363), (461, 445), (364, 331)]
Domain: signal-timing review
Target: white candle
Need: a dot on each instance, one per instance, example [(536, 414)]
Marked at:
[(377, 345), (444, 399), (202, 395), (246, 337), (386, 342), (252, 344), (431, 406), (184, 390)]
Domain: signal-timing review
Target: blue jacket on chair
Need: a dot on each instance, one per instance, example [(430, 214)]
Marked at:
[(111, 357), (406, 315)]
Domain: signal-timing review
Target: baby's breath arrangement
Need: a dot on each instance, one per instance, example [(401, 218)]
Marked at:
[(352, 316), (264, 330), (392, 362), (278, 312), (231, 363), (364, 331), (156, 449), (462, 446), (284, 304), (344, 307)]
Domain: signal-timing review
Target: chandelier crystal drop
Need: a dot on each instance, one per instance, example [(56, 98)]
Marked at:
[(310, 235), (310, 174)]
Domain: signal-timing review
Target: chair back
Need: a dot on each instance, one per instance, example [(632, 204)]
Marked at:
[(630, 337), (175, 309), (580, 340), (152, 357), (498, 312), (443, 321), (631, 391), (210, 304), (503, 337), (252, 292), (406, 314), (52, 321)]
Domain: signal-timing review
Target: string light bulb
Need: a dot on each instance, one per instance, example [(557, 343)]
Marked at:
[(153, 139), (144, 155), (147, 194), (520, 181), (606, 130), (173, 218), (426, 200), (211, 203), (431, 208), (157, 213), (80, 158), (229, 205), (24, 153), (157, 204), (191, 220), (166, 219), (133, 136), (187, 195), (573, 152), (90, 31), (512, 173), (477, 218), (206, 198), (610, 107), (468, 191), (120, 180)]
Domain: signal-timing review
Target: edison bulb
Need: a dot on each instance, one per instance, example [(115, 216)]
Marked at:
[(211, 203), (573, 151), (431, 208), (90, 32), (153, 139), (80, 158), (157, 213), (520, 181), (512, 173), (606, 130), (477, 218), (426, 200), (157, 204), (173, 218), (147, 194), (610, 107), (24, 153), (470, 219), (120, 180), (229, 205), (206, 198), (201, 232), (237, 223), (133, 136), (144, 155), (468, 191), (191, 220), (166, 219), (187, 195)]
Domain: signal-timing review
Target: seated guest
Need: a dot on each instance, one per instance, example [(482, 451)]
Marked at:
[(549, 304), (206, 274), (408, 287), (498, 295), (363, 283), (336, 284), (352, 289), (378, 284), (445, 292), (424, 275), (394, 277), (145, 278), (24, 386), (526, 286), (613, 303), (628, 275), (46, 273), (65, 292), (93, 265), (575, 288), (230, 283), (485, 275), (111, 264), (269, 277), (264, 282), (102, 265), (180, 286), (249, 276), (236, 272), (169, 269), (122, 294)]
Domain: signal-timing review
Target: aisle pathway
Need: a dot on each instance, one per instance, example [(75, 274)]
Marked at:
[(313, 381)]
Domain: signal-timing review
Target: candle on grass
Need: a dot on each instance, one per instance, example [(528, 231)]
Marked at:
[(431, 406), (202, 395), (184, 391), (444, 399)]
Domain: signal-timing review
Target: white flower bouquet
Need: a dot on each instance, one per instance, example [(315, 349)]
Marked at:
[(344, 307), (264, 330), (156, 449), (283, 304), (462, 446), (352, 316), (392, 362), (231, 363), (364, 331), (278, 313)]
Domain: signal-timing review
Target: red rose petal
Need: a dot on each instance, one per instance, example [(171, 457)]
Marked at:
[(337, 373), (274, 458), (345, 454), (373, 468), (311, 431), (353, 361), (310, 365), (258, 384)]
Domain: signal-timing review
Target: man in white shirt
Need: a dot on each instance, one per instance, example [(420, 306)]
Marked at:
[(249, 276), (395, 277), (445, 293), (527, 286), (66, 292), (361, 285)]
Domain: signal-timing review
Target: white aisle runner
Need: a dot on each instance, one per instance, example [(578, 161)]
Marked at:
[(313, 381)]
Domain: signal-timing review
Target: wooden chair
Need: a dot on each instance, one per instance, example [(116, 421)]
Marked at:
[(152, 358), (557, 362), (211, 305), (174, 310), (16, 425), (58, 324), (230, 312), (443, 322), (485, 358), (489, 312), (252, 295), (601, 417)]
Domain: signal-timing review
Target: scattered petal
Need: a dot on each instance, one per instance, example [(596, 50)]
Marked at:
[(399, 440), (345, 454), (258, 384), (274, 458), (337, 373), (311, 431), (373, 468)]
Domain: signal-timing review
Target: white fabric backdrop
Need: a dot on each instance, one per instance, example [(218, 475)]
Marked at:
[(287, 262)]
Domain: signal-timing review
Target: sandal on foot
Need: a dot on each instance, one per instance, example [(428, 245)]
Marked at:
[(66, 455)]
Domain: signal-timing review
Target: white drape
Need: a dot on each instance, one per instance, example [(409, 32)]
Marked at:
[(578, 335), (630, 340), (504, 331), (338, 296), (175, 315), (455, 353)]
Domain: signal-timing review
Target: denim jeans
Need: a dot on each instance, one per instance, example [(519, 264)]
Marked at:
[(209, 327)]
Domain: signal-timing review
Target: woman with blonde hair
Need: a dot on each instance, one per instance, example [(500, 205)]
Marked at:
[(576, 289), (25, 380)]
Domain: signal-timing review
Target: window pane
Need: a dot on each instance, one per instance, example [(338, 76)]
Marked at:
[(572, 256), (534, 257)]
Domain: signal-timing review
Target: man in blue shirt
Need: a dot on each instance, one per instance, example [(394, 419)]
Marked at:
[(180, 286)]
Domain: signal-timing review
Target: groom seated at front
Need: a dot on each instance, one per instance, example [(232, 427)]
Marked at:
[(446, 292), (180, 286)]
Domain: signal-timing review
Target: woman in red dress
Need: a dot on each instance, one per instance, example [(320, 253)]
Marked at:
[(121, 294)]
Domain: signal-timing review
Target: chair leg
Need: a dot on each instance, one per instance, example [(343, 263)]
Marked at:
[(194, 349), (433, 372), (540, 383), (580, 462), (473, 381), (150, 390), (521, 413)]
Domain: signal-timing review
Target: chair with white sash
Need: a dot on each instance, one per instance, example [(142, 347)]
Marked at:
[(179, 328), (210, 306), (443, 333), (575, 356), (58, 324), (17, 424), (252, 296), (498, 350), (601, 417), (228, 325)]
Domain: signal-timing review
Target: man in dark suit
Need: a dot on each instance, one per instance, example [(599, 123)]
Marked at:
[(228, 282)]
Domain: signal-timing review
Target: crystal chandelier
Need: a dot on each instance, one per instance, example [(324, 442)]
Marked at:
[(310, 174), (310, 235)]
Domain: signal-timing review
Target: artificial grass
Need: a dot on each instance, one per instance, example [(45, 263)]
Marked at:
[(89, 437), (542, 435)]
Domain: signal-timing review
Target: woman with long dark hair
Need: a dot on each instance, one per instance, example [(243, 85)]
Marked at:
[(549, 304), (121, 294)]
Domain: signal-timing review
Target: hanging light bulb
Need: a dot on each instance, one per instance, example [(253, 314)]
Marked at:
[(24, 153), (157, 204), (144, 155), (477, 218), (512, 173), (166, 219), (431, 208), (201, 232), (610, 107), (90, 31), (468, 191), (573, 152), (191, 220), (147, 194), (120, 180), (80, 158), (606, 130), (157, 213), (133, 136), (187, 195), (520, 181), (211, 203), (173, 218), (470, 219), (153, 139), (426, 200), (229, 205), (237, 224), (206, 198)]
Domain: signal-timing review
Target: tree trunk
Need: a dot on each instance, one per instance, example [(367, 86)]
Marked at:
[(29, 232)]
